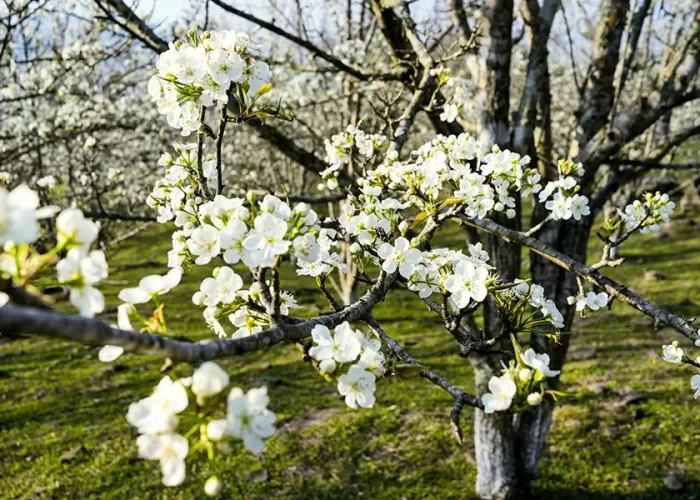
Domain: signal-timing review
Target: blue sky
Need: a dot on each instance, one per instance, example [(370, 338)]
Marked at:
[(164, 9)]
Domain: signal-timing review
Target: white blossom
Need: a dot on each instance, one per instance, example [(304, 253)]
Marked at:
[(534, 399), (596, 301), (695, 385), (249, 419), (500, 395), (110, 353), (19, 215), (157, 413), (151, 286), (673, 354), (80, 272), (342, 347), (212, 486), (399, 255), (266, 240), (170, 450), (204, 244), (74, 230), (358, 387), (208, 379), (218, 429), (466, 284), (539, 362), (222, 288)]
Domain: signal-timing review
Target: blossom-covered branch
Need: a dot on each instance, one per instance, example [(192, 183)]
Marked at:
[(618, 290)]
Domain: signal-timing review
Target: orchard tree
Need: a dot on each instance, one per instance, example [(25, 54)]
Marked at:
[(392, 205)]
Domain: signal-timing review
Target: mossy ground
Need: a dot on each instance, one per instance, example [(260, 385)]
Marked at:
[(56, 397)]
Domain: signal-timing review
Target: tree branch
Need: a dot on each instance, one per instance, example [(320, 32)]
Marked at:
[(284, 144), (455, 392), (314, 49), (134, 25), (89, 331), (651, 163), (619, 291)]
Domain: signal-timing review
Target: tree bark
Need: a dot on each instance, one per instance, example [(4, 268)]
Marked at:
[(493, 440), (532, 426), (493, 433)]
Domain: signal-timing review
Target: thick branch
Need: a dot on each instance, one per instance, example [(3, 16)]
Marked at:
[(134, 25), (119, 216), (599, 91), (74, 328)]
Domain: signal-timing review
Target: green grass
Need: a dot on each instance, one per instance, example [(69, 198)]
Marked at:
[(56, 396)]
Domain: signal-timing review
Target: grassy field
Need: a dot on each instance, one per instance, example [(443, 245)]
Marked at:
[(630, 420)]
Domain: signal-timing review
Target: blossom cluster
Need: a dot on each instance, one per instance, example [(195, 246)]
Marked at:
[(647, 214), (591, 300), (223, 296), (230, 227), (202, 71), (157, 418), (80, 269), (543, 312), (334, 350), (565, 201), (257, 234), (455, 168), (341, 148), (675, 354), (521, 384), (458, 92), (177, 193)]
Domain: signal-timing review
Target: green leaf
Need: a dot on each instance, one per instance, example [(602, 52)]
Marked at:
[(451, 201), (419, 219)]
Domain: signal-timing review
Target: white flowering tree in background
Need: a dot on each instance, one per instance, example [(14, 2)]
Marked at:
[(482, 146)]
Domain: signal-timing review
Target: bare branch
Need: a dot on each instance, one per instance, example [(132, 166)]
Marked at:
[(89, 331), (436, 379), (314, 49), (134, 25)]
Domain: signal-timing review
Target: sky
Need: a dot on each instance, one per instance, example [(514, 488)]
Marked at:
[(168, 10), (164, 10)]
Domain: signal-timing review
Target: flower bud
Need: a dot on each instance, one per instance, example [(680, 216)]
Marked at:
[(525, 375), (534, 399), (327, 366), (355, 248), (403, 227), (218, 429), (213, 486)]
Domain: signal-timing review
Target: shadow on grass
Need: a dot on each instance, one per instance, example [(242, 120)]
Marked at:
[(688, 491)]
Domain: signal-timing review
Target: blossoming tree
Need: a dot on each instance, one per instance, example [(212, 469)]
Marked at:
[(391, 207)]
